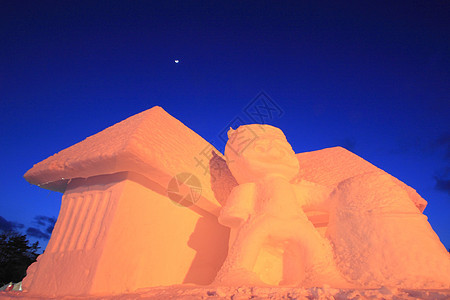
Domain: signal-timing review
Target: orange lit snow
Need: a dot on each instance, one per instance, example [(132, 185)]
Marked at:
[(322, 218)]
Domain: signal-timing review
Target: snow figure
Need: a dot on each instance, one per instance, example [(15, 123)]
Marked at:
[(265, 211), (381, 238)]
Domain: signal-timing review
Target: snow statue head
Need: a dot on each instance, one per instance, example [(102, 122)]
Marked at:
[(255, 151)]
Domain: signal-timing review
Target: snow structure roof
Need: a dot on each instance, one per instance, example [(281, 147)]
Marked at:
[(158, 146), (331, 166), (151, 143)]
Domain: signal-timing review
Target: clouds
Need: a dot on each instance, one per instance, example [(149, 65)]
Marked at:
[(6, 225), (37, 233), (45, 221), (438, 148), (42, 230), (442, 184)]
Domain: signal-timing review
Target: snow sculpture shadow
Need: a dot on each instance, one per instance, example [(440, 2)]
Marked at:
[(208, 234)]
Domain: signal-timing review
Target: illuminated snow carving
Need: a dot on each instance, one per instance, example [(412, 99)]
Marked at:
[(267, 211), (260, 215)]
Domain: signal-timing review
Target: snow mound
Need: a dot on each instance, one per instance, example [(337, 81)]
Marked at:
[(381, 238)]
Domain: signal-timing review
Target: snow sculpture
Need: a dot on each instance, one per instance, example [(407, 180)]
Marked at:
[(376, 227), (118, 230), (382, 238), (375, 223), (265, 211), (320, 217)]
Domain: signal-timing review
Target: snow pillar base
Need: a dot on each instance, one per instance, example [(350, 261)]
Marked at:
[(117, 233)]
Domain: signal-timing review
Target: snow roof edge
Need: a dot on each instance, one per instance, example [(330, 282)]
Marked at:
[(152, 143), (356, 162)]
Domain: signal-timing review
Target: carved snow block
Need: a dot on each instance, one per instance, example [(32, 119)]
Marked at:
[(118, 230)]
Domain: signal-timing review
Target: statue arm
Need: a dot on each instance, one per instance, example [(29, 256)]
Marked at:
[(239, 205), (312, 196)]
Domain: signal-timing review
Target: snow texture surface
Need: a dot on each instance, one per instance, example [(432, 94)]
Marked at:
[(324, 218)]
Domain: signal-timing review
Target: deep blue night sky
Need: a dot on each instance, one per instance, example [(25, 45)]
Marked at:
[(371, 76)]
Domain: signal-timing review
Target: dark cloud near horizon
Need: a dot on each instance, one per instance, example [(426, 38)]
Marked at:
[(43, 230), (44, 227), (37, 233), (49, 229), (44, 220), (442, 184), (6, 225), (438, 147)]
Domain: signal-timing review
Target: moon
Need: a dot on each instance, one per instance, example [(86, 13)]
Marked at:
[(177, 61)]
